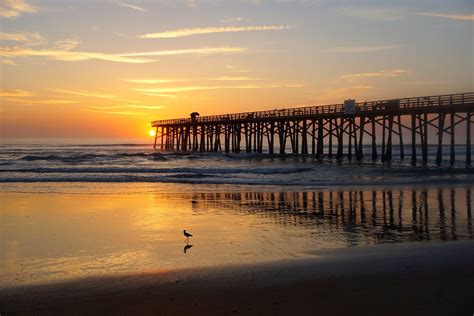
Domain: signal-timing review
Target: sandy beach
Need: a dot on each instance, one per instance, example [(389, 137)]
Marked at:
[(408, 279)]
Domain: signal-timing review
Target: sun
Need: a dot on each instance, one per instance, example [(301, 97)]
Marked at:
[(152, 132)]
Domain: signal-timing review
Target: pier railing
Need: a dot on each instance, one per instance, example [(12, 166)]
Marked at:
[(367, 107)]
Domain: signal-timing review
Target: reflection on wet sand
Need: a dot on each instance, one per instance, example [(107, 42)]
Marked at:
[(364, 215), (49, 237)]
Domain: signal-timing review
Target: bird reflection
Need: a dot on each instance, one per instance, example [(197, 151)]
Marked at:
[(187, 247)]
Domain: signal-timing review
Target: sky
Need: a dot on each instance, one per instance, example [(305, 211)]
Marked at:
[(103, 69)]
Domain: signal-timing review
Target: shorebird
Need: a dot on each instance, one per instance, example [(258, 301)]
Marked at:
[(187, 235)]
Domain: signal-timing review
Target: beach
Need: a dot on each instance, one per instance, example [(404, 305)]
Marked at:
[(415, 279)]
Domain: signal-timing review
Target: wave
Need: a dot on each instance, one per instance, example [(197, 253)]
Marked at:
[(71, 158), (424, 171), (208, 180), (155, 156), (180, 170)]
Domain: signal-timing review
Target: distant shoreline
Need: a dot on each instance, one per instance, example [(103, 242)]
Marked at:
[(409, 279)]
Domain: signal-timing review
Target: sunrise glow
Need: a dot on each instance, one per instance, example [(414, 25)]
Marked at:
[(95, 77)]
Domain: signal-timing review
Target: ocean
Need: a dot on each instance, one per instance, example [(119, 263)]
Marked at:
[(71, 211), (127, 163)]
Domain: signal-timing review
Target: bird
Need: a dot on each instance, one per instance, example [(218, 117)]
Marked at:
[(186, 234)]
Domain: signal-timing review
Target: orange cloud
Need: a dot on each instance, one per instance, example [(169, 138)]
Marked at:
[(361, 49), (66, 55), (26, 38), (195, 88), (13, 8), (465, 17), (15, 93), (378, 74), (209, 30)]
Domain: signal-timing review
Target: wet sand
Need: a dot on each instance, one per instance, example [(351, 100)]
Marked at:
[(400, 279)]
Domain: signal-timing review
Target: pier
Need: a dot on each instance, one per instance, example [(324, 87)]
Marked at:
[(333, 131)]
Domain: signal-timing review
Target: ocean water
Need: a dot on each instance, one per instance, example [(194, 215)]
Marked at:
[(71, 211), (127, 163)]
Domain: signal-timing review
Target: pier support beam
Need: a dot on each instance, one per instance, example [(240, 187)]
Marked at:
[(413, 139), (282, 136), (452, 154), (383, 137), (439, 153), (400, 137), (319, 153), (388, 150), (374, 140), (304, 138), (360, 152), (340, 139), (156, 138), (331, 131), (349, 149), (468, 139)]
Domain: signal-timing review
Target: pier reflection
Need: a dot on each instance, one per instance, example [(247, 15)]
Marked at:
[(364, 216)]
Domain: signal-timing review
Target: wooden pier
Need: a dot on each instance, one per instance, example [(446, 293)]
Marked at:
[(335, 130)]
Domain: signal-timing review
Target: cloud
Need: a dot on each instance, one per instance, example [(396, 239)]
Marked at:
[(158, 81), (234, 79), (127, 106), (146, 107), (465, 17), (198, 51), (238, 19), (15, 93), (122, 34), (7, 62), (210, 30), (85, 93), (14, 52), (130, 6), (237, 69), (196, 88), (67, 44), (13, 8), (125, 113), (64, 55), (378, 74), (423, 83), (361, 49), (153, 81), (46, 101), (191, 3), (372, 14), (162, 95), (383, 14), (31, 39)]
